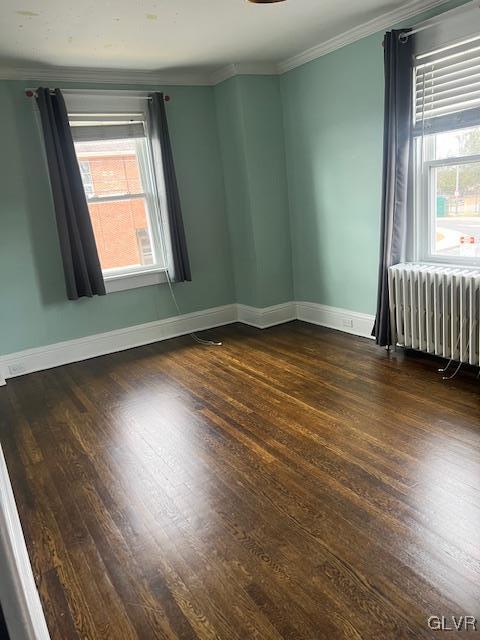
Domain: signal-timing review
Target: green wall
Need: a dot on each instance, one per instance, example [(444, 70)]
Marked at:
[(333, 129), (280, 182), (231, 132), (333, 118), (33, 308), (250, 120)]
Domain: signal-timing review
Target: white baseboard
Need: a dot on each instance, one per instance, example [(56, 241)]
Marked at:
[(18, 592), (359, 324), (40, 358), (54, 355), (268, 316)]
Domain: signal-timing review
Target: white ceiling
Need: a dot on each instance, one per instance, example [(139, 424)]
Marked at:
[(193, 35)]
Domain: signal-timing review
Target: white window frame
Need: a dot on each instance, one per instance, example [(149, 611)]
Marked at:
[(425, 203), (118, 104), (433, 34)]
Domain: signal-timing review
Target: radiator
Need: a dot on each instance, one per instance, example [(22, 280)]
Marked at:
[(436, 309)]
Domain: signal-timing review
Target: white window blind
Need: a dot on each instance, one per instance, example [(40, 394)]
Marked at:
[(447, 88), (89, 131)]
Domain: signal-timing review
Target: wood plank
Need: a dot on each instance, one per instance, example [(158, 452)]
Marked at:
[(294, 483)]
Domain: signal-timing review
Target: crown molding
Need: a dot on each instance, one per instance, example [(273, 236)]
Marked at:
[(202, 78), (244, 69), (384, 21), (133, 77), (222, 74), (105, 76)]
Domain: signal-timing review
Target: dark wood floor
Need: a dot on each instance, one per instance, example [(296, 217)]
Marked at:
[(294, 483)]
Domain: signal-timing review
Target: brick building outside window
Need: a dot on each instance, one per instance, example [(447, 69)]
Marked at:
[(117, 202)]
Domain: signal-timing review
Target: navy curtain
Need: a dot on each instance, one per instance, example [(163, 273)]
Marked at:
[(398, 60), (81, 265)]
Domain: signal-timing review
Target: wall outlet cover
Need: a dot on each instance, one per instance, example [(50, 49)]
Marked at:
[(16, 369)]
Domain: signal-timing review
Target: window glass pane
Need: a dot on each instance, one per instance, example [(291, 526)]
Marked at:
[(452, 144), (113, 165), (112, 178), (121, 233), (457, 210)]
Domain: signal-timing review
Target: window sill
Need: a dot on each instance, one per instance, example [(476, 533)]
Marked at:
[(134, 280), (455, 263)]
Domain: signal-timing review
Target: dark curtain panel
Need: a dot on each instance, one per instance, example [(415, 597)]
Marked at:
[(83, 274), (3, 627), (166, 181), (397, 136)]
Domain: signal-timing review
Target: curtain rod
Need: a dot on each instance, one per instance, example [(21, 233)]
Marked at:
[(475, 4), (32, 93)]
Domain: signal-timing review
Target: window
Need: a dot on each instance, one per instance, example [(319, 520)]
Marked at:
[(117, 193), (447, 151), (450, 181), (117, 174)]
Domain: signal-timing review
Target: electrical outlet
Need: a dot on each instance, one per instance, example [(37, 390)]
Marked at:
[(347, 323), (16, 369)]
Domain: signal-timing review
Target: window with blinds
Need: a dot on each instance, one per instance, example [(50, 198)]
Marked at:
[(447, 88), (447, 153)]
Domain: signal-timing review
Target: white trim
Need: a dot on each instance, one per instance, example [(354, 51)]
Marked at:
[(55, 355), (18, 593), (105, 76), (268, 316), (132, 77), (354, 322), (384, 21), (134, 280), (231, 70), (224, 73), (203, 78)]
